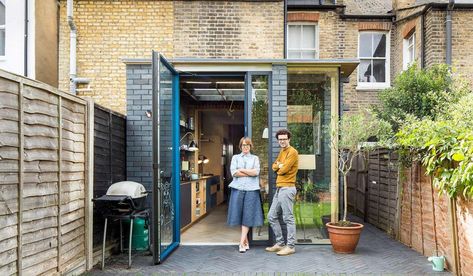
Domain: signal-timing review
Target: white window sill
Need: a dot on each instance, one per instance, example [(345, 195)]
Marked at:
[(372, 86)]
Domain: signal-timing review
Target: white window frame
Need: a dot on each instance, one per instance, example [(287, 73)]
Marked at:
[(408, 44), (376, 85), (316, 49), (3, 27)]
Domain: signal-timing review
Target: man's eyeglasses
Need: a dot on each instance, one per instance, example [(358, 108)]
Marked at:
[(283, 139)]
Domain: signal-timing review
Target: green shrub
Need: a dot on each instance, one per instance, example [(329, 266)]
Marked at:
[(420, 94), (444, 146)]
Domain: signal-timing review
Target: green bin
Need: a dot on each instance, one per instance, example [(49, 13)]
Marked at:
[(140, 237)]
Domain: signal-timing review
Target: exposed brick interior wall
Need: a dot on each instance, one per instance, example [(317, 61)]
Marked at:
[(107, 32), (229, 29)]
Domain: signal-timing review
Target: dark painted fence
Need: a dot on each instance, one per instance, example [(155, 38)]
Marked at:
[(109, 157)]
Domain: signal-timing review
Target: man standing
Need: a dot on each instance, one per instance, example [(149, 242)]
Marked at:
[(285, 166)]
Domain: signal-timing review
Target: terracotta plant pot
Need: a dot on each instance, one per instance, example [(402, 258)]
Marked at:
[(344, 239)]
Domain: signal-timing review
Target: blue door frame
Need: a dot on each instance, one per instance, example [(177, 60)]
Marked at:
[(158, 254)]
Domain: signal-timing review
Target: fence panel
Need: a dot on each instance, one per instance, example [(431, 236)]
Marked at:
[(42, 178), (109, 162)]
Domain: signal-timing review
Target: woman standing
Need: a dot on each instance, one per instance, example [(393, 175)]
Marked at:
[(245, 204)]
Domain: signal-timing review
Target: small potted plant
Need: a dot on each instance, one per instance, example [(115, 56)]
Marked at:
[(348, 139)]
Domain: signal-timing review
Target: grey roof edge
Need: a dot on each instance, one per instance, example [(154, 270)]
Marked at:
[(243, 61), (438, 5)]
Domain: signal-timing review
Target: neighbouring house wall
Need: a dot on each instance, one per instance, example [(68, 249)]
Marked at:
[(46, 46), (434, 37), (338, 39), (107, 32), (44, 179), (462, 39), (229, 29), (401, 31)]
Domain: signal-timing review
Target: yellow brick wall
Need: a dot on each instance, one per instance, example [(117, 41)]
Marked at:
[(109, 31), (229, 29)]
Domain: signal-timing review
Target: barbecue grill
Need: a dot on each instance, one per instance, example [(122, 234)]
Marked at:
[(123, 200)]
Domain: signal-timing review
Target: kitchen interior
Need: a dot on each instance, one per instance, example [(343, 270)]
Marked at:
[(211, 124)]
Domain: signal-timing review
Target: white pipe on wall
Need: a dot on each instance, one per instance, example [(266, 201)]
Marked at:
[(74, 80)]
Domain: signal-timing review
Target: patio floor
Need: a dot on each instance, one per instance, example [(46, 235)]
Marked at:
[(376, 254)]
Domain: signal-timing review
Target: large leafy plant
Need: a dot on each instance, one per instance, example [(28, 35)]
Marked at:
[(420, 93), (444, 146)]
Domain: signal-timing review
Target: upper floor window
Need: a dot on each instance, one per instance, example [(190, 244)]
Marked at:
[(2, 27), (302, 42), (408, 50), (373, 52)]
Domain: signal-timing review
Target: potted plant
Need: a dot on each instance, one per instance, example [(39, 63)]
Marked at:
[(349, 140)]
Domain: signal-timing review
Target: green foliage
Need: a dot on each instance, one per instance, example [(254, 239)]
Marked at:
[(444, 146), (420, 94)]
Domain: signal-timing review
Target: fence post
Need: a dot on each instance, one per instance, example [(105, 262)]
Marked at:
[(89, 171), (452, 210), (59, 185), (21, 176)]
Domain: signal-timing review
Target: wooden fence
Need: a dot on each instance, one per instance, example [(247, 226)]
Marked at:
[(433, 224), (45, 173), (408, 208), (109, 163), (373, 189)]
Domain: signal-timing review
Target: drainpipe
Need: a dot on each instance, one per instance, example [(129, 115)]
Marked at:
[(26, 39), (74, 80), (285, 29), (448, 27)]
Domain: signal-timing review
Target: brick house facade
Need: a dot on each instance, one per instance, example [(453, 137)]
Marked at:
[(109, 31)]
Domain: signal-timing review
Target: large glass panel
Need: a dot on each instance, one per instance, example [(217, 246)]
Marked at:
[(308, 54), (308, 111), (167, 215), (294, 54), (294, 38), (2, 42), (2, 14), (379, 70), (379, 45), (364, 71), (365, 45), (308, 36), (259, 134)]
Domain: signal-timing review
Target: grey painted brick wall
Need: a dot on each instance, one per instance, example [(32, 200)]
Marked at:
[(278, 108), (139, 152)]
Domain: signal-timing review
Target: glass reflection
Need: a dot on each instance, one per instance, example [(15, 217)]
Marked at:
[(165, 155), (308, 110), (259, 133)]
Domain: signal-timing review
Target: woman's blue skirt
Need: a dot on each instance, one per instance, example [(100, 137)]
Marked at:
[(245, 208)]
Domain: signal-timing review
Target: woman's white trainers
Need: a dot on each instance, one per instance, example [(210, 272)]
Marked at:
[(241, 248), (247, 246)]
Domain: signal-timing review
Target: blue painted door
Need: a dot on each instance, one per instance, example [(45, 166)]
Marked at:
[(166, 213)]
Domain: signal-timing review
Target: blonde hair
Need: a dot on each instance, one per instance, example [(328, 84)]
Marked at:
[(247, 140)]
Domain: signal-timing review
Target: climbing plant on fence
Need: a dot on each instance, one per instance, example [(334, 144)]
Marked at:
[(441, 138)]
